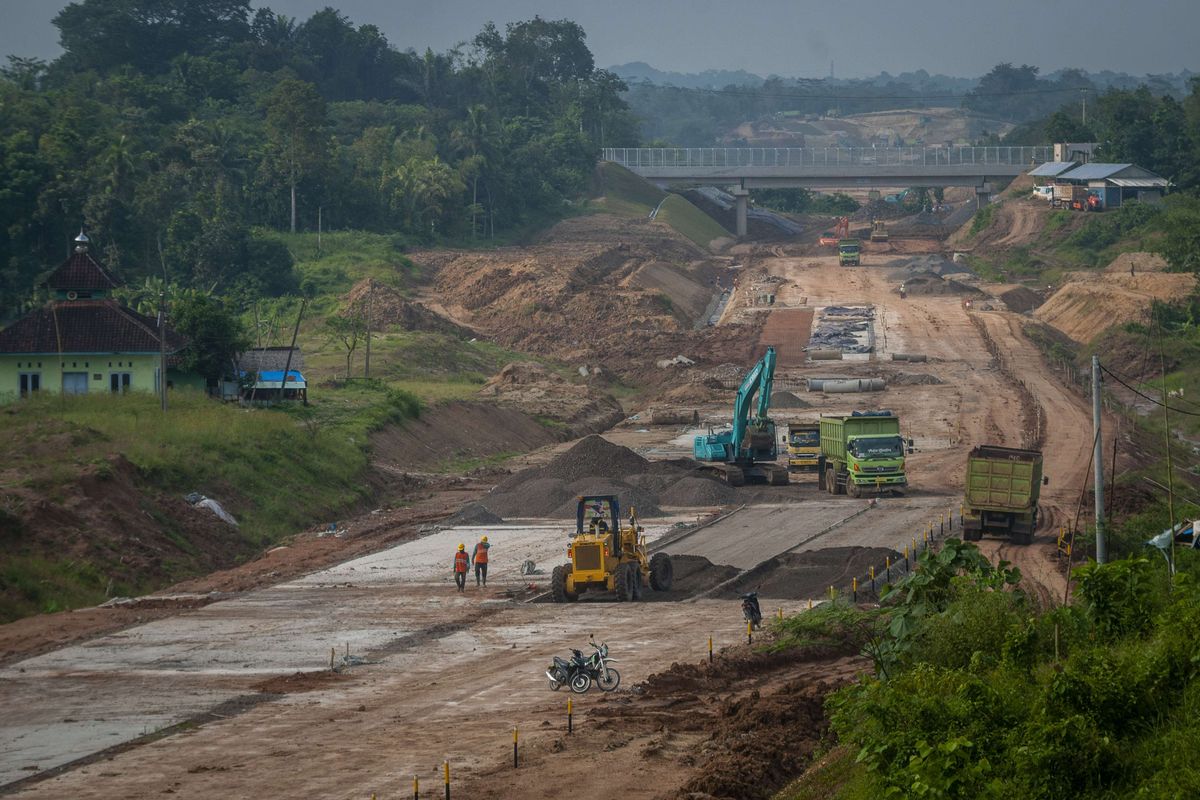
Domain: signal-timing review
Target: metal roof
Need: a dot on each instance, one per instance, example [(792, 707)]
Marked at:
[(1094, 172), (1140, 183), (1052, 168)]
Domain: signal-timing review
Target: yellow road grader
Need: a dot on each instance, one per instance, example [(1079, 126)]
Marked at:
[(607, 555)]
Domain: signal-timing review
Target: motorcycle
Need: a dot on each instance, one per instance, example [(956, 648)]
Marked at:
[(573, 673), (750, 610), (579, 672)]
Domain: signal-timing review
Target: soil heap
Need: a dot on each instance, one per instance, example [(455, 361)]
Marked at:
[(596, 466), (529, 387)]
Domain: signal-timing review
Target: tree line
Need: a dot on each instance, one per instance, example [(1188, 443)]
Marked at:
[(174, 130)]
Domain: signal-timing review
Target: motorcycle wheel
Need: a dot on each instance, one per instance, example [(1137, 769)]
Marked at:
[(606, 683), (581, 683), (555, 686)]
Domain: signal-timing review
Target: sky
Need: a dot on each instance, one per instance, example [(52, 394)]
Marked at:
[(791, 38)]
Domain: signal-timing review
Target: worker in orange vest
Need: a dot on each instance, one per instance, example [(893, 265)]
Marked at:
[(480, 557), (461, 565)]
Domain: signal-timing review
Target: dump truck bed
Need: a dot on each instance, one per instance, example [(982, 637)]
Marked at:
[(1003, 478)]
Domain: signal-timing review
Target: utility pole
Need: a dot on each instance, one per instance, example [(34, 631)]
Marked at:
[(370, 297), (1098, 463), (162, 346)]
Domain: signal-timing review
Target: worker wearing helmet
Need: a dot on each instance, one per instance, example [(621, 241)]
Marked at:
[(461, 564), (480, 557)]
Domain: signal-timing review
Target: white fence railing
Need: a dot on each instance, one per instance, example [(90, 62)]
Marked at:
[(687, 157)]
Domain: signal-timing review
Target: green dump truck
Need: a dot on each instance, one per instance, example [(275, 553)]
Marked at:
[(862, 453), (1002, 488), (849, 251)]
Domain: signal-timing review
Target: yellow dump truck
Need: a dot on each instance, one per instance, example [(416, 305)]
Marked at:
[(803, 446)]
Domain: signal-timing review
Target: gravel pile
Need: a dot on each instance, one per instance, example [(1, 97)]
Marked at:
[(784, 399), (696, 491), (473, 514), (595, 466)]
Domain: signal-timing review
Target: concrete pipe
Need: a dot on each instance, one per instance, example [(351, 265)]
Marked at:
[(909, 357), (824, 355), (860, 385), (817, 384)]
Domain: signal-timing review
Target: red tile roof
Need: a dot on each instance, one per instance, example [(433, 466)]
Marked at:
[(86, 326), (81, 272)]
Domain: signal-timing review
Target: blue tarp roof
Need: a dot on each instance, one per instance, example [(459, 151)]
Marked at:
[(1052, 168), (276, 375)]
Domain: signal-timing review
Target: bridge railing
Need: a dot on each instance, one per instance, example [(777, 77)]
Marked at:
[(688, 157)]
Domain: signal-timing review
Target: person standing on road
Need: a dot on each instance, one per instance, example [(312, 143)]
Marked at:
[(461, 564), (480, 557)]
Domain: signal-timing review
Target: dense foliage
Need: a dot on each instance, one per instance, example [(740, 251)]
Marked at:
[(173, 129), (982, 694)]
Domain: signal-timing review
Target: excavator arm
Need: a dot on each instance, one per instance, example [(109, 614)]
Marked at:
[(757, 382)]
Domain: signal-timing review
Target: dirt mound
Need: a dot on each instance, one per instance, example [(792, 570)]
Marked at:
[(928, 283), (696, 491), (473, 514), (785, 399), (529, 387), (595, 465), (388, 308), (1089, 302), (455, 432), (301, 682), (1139, 262), (1021, 299), (629, 497), (809, 574), (695, 574)]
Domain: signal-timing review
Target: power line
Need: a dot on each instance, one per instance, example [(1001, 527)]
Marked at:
[(1144, 396)]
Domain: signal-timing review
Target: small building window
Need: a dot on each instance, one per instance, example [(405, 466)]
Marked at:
[(29, 382), (119, 382)]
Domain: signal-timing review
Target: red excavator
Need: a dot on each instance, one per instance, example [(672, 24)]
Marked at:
[(841, 230)]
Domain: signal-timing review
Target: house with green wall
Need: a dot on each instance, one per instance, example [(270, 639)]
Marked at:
[(83, 341)]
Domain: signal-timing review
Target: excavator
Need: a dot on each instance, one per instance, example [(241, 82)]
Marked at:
[(841, 230), (747, 451)]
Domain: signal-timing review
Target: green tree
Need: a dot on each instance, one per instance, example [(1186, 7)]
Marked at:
[(296, 129), (215, 335), (1180, 245)]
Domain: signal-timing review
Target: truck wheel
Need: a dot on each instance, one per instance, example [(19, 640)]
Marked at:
[(558, 585), (853, 489), (830, 481), (625, 582), (662, 572)]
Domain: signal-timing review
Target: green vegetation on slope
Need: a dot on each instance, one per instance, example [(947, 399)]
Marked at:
[(628, 194), (275, 470), (981, 693)]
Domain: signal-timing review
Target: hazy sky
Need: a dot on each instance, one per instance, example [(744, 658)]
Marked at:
[(785, 37)]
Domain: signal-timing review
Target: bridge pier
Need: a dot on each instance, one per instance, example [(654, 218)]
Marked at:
[(742, 198)]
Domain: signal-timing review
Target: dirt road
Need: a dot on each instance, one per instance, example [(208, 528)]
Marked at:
[(448, 676)]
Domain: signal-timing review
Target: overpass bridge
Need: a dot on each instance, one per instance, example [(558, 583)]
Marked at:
[(831, 168)]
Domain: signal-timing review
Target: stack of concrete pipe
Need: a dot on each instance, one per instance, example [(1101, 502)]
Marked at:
[(824, 355)]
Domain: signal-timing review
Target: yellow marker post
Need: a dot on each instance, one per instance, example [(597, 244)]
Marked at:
[(810, 604), (887, 568), (447, 777), (749, 632), (514, 747), (872, 574), (332, 651), (942, 525), (781, 615), (570, 726), (906, 558), (710, 648), (854, 589), (416, 788)]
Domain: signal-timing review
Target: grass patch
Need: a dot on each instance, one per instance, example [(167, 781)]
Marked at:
[(834, 776), (34, 584), (982, 219), (691, 221), (345, 257), (836, 623)]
